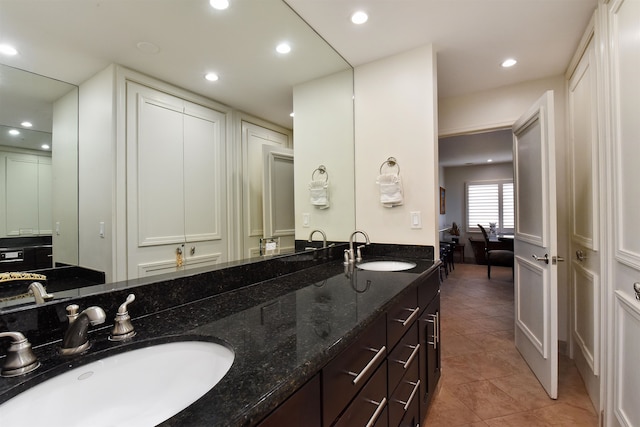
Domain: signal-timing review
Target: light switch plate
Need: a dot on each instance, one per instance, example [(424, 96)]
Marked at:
[(306, 219), (416, 220)]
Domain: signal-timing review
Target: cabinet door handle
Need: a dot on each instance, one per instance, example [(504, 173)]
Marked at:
[(435, 319), (408, 320), (379, 410), (380, 353), (406, 404), (406, 364)]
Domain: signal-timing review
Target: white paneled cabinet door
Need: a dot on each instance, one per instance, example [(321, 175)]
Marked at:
[(175, 183), (584, 221), (535, 246), (624, 27), (204, 187)]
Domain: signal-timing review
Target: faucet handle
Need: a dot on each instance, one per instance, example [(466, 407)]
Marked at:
[(20, 358), (359, 253), (123, 307), (122, 327), (72, 312)]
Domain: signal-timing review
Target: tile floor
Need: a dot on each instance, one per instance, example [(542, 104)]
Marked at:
[(485, 381)]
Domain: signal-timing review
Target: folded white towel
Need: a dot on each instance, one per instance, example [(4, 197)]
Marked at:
[(319, 193), (391, 193)]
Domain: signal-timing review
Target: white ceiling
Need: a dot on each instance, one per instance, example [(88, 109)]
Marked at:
[(476, 149), (472, 37), (71, 40)]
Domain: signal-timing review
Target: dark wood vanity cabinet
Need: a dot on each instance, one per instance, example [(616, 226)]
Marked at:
[(385, 378), (429, 337), (301, 409)]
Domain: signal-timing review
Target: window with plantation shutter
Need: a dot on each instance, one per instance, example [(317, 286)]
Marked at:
[(490, 201)]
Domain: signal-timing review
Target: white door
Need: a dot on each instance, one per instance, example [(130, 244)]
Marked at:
[(254, 137), (624, 227), (536, 296), (277, 196), (584, 208)]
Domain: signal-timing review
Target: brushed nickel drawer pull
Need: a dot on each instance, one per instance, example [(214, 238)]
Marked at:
[(379, 410), (380, 353), (414, 313), (406, 404), (416, 348)]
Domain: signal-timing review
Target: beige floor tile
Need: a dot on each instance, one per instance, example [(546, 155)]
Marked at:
[(566, 415), (486, 400), (523, 419)]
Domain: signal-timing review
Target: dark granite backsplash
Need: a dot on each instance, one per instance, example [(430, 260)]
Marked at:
[(46, 323)]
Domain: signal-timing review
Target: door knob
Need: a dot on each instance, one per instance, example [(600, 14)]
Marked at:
[(556, 259), (580, 255), (545, 259), (636, 289)]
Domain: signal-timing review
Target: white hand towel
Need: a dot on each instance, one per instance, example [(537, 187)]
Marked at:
[(391, 193), (319, 193)]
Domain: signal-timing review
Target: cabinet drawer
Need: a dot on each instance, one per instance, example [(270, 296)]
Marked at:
[(403, 356), (401, 316), (347, 373), (369, 408), (405, 396)]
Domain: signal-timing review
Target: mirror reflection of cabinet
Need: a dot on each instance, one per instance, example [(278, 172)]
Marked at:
[(26, 187), (176, 186)]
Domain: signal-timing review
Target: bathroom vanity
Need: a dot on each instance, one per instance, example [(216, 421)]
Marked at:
[(315, 342)]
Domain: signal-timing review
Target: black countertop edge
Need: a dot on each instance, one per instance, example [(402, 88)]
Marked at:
[(270, 364)]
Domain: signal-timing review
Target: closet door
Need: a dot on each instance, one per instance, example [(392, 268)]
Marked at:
[(204, 186), (155, 195)]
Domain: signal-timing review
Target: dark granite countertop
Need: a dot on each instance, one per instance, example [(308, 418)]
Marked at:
[(283, 331)]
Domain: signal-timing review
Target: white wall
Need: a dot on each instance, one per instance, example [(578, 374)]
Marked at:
[(65, 178), (96, 171), (327, 142), (396, 116), (500, 108)]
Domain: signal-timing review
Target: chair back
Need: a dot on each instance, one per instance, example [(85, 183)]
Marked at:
[(486, 237)]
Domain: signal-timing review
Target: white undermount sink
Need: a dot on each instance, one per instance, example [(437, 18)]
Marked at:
[(386, 265), (141, 387)]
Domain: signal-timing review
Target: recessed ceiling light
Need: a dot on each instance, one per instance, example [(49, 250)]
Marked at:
[(490, 160), (26, 124), (359, 17), (212, 77), (219, 4), (45, 147), (14, 132), (283, 48), (5, 49), (147, 47), (509, 63)]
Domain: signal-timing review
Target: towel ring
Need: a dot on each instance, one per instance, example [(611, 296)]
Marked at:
[(322, 171), (390, 162)]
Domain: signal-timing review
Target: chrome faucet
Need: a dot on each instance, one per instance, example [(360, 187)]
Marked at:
[(20, 358), (324, 237), (76, 339), (39, 293), (349, 255)]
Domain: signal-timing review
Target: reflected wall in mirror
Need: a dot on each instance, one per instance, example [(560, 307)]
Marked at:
[(38, 167), (256, 86)]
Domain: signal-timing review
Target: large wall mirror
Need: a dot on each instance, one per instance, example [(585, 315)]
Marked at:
[(38, 166), (317, 83)]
